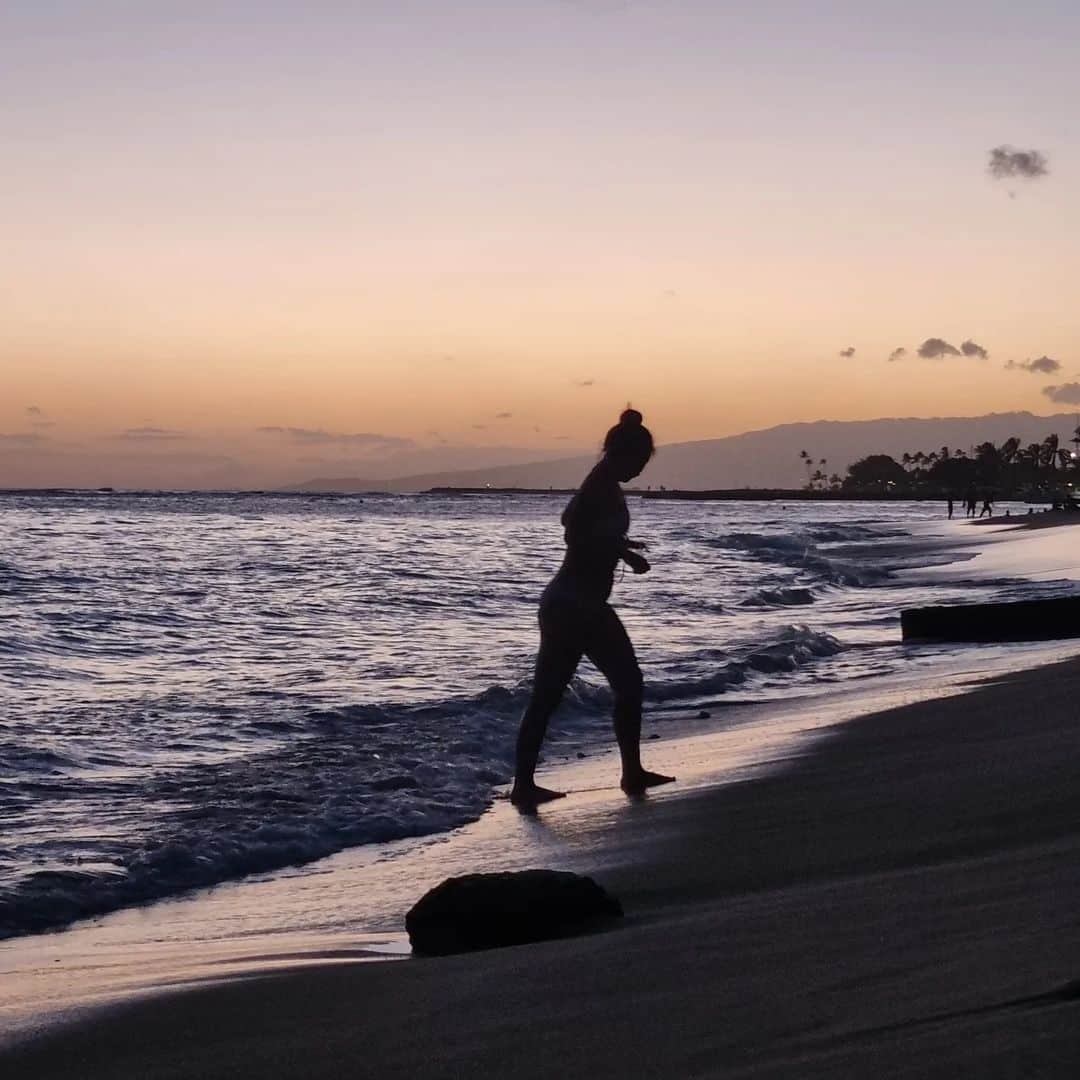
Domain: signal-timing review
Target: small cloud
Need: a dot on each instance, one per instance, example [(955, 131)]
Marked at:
[(503, 415), (585, 382), (151, 434), (479, 427), (536, 427), (1007, 163), (34, 410), (1041, 365), (933, 348), (969, 348), (561, 438), (897, 354), (848, 353), (1065, 394)]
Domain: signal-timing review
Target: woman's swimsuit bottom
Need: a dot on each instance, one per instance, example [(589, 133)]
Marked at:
[(575, 621)]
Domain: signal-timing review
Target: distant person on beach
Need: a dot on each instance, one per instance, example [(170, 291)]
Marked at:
[(950, 504), (987, 507), (969, 504), (576, 619)]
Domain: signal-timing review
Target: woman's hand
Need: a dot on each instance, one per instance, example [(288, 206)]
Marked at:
[(636, 545), (638, 563)]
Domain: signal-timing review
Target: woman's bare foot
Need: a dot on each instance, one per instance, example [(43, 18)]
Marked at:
[(636, 783), (530, 796)]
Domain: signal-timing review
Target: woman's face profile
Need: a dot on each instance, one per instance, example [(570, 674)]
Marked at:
[(628, 466)]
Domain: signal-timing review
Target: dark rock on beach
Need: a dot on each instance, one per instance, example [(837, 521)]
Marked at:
[(1017, 620), (486, 911)]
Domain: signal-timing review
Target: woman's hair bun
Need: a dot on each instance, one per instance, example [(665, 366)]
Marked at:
[(630, 437)]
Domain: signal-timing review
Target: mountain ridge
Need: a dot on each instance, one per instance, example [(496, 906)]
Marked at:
[(764, 457)]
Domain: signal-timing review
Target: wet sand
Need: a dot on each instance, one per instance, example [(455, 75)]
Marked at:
[(903, 902)]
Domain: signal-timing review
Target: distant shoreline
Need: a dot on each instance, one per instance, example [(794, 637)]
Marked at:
[(715, 495), (496, 491), (684, 494)]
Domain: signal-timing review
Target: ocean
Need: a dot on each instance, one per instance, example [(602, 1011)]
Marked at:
[(197, 687)]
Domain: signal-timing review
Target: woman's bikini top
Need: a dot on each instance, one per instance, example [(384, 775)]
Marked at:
[(596, 521)]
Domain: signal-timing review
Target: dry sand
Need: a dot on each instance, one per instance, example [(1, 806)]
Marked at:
[(903, 902)]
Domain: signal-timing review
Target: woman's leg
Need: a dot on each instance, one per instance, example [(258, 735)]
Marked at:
[(610, 649), (556, 663)]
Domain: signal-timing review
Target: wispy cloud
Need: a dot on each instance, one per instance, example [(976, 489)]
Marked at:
[(1041, 365), (150, 434), (897, 354), (970, 348), (318, 436), (21, 439), (584, 382), (848, 353), (503, 415), (1065, 394), (37, 414), (933, 348)]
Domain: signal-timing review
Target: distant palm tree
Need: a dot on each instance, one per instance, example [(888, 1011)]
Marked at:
[(805, 458), (1049, 451), (1010, 456), (1033, 453)]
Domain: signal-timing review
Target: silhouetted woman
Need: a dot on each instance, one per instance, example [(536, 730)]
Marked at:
[(576, 619)]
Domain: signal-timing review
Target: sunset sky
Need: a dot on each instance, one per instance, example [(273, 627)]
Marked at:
[(255, 242)]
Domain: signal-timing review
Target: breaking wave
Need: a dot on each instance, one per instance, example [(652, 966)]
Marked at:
[(801, 551), (342, 777), (780, 597)]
